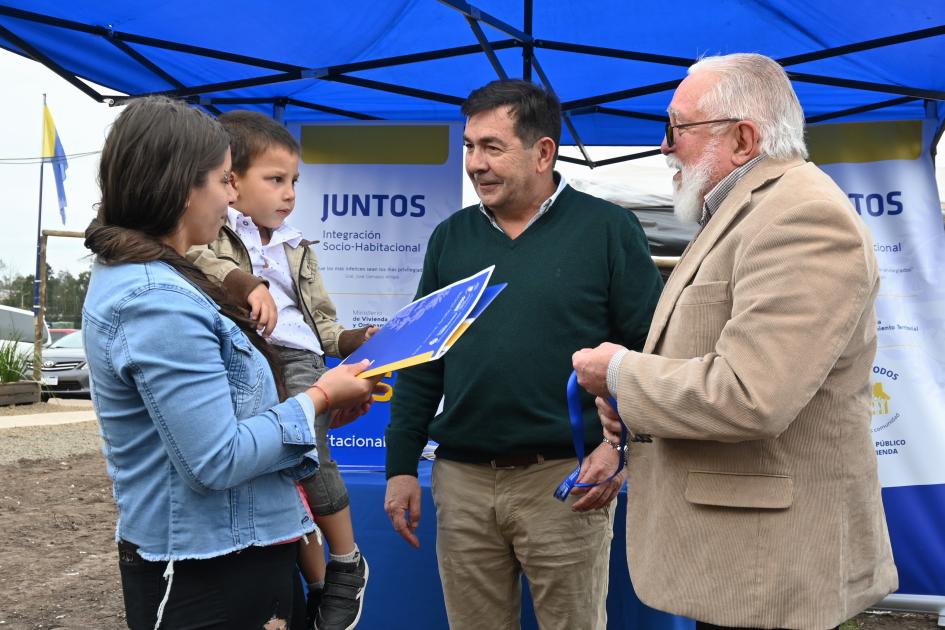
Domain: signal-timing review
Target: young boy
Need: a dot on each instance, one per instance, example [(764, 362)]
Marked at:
[(299, 318)]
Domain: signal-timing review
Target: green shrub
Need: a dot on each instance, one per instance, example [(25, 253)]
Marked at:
[(12, 362)]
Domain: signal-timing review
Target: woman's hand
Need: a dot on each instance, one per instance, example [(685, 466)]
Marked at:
[(341, 417), (341, 388)]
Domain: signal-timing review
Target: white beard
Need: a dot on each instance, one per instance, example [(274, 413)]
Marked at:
[(689, 195)]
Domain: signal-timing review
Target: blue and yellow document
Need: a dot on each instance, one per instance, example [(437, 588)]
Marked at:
[(426, 328)]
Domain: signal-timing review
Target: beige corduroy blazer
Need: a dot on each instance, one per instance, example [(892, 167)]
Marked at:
[(758, 503)]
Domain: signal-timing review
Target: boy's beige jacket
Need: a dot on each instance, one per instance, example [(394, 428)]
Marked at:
[(758, 502), (227, 254)]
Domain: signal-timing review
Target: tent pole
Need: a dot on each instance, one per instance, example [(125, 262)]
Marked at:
[(154, 68), (141, 39), (332, 110), (487, 48), (868, 44), (616, 53), (294, 76), (278, 110), (477, 14), (571, 160), (565, 116), (222, 86), (577, 138), (399, 89), (36, 55), (621, 94), (938, 132), (432, 55), (869, 86), (613, 111), (627, 158), (528, 49), (859, 110)]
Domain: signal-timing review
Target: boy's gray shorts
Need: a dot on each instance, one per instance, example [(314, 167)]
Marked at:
[(326, 490)]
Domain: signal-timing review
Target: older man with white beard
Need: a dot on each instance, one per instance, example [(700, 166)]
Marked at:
[(757, 504)]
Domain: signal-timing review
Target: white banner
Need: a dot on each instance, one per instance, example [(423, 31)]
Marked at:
[(371, 193), (373, 220), (886, 170)]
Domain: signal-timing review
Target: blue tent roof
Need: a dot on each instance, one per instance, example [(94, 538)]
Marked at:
[(613, 63)]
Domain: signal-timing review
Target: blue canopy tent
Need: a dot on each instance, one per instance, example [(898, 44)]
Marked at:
[(613, 63)]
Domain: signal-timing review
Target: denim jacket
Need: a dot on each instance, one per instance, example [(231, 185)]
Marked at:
[(202, 455)]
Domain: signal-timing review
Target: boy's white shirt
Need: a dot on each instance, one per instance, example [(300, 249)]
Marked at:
[(270, 263)]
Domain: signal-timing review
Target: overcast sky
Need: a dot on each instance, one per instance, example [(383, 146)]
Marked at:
[(83, 123)]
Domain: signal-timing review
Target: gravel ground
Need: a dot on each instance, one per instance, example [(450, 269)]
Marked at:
[(54, 405)]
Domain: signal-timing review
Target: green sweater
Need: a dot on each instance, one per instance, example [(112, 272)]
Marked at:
[(580, 275)]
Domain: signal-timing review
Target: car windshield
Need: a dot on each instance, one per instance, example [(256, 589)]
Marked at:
[(72, 340)]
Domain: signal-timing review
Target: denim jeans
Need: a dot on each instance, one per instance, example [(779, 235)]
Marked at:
[(250, 589), (325, 489)]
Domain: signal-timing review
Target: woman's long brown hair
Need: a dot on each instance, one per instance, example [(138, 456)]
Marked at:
[(157, 151)]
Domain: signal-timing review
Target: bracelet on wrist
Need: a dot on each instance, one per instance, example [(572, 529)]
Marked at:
[(623, 450), (615, 445), (325, 394)]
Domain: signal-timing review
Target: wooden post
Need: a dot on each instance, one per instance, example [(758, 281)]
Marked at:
[(41, 314), (67, 233)]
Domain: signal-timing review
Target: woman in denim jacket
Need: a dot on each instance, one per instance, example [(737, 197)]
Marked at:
[(203, 455)]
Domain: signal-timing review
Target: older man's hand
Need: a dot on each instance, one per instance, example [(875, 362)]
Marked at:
[(599, 465), (591, 367), (609, 420)]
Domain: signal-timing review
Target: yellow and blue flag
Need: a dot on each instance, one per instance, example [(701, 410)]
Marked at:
[(55, 155)]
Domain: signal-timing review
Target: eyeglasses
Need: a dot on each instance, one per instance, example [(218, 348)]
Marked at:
[(671, 140)]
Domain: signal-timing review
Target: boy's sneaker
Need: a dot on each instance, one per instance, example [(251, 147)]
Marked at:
[(312, 603), (343, 596)]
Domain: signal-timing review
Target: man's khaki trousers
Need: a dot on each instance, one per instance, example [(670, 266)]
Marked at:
[(495, 524)]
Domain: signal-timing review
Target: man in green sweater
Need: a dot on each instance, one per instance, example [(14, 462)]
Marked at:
[(579, 273)]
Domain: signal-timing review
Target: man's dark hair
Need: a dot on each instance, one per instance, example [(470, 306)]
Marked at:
[(536, 112), (251, 134)]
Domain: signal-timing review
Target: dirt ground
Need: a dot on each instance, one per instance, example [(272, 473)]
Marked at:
[(58, 565), (52, 406)]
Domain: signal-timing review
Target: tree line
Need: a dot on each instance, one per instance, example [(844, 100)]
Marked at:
[(65, 294)]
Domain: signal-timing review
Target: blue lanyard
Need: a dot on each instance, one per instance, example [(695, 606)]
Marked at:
[(577, 434)]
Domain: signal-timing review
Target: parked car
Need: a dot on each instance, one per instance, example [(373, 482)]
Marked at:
[(64, 369), (17, 325), (55, 334)]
